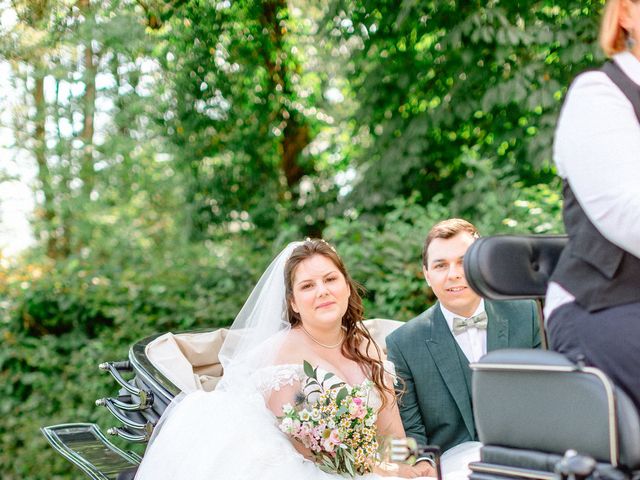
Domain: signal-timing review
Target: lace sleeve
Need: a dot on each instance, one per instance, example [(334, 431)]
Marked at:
[(277, 377), (280, 385)]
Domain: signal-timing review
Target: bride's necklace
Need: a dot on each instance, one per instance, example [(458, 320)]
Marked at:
[(320, 343)]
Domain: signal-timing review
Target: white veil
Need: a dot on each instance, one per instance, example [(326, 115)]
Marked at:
[(254, 336)]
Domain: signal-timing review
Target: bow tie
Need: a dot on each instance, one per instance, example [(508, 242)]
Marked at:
[(462, 324)]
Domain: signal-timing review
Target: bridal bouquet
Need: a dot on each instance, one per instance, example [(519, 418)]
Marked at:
[(334, 421)]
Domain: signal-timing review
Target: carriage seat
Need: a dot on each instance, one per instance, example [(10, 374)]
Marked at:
[(190, 360), (380, 328), (530, 406)]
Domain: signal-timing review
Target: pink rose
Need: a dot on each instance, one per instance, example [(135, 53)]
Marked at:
[(357, 408), (329, 443)]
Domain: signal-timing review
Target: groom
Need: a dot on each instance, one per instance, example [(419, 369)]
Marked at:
[(432, 352)]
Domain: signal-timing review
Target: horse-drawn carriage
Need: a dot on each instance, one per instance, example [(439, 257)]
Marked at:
[(538, 415)]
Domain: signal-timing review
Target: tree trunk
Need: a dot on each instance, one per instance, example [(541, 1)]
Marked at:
[(47, 213), (88, 107), (295, 136)]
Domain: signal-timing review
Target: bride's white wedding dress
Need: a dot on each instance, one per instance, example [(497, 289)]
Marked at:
[(230, 434)]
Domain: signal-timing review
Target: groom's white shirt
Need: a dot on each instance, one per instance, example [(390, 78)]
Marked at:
[(473, 341)]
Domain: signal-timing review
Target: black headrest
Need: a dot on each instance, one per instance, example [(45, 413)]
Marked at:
[(513, 267)]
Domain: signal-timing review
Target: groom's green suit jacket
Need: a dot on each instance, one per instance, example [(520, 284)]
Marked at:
[(436, 406)]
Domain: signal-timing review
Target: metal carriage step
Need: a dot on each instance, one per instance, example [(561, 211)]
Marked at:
[(86, 447)]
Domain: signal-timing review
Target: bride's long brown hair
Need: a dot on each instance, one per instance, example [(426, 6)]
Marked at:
[(357, 337)]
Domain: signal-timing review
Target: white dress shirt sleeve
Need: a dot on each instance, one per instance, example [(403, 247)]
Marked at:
[(597, 149)]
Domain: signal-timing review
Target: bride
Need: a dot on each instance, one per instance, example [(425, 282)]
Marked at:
[(305, 308)]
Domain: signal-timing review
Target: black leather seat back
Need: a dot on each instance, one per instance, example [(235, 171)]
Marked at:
[(539, 400), (510, 267)]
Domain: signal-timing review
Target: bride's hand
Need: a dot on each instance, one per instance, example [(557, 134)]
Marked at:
[(391, 469)]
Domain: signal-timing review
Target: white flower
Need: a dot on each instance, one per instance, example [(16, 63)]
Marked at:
[(287, 408), (287, 425), (305, 416)]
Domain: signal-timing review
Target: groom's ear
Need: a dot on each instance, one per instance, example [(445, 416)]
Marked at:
[(426, 275)]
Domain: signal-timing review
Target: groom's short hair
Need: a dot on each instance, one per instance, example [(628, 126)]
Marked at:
[(447, 229)]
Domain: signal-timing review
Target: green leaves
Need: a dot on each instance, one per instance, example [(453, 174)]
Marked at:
[(342, 394), (218, 143), (478, 68), (244, 110), (327, 376), (309, 371)]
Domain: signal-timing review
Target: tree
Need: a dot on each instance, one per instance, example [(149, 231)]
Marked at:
[(444, 85), (76, 66), (241, 112)]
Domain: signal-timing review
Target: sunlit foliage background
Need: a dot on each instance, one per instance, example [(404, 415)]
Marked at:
[(178, 145)]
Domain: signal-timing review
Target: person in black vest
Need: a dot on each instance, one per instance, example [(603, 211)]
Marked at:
[(593, 300)]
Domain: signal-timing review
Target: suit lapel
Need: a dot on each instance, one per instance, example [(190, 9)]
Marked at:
[(443, 349), (497, 328)]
